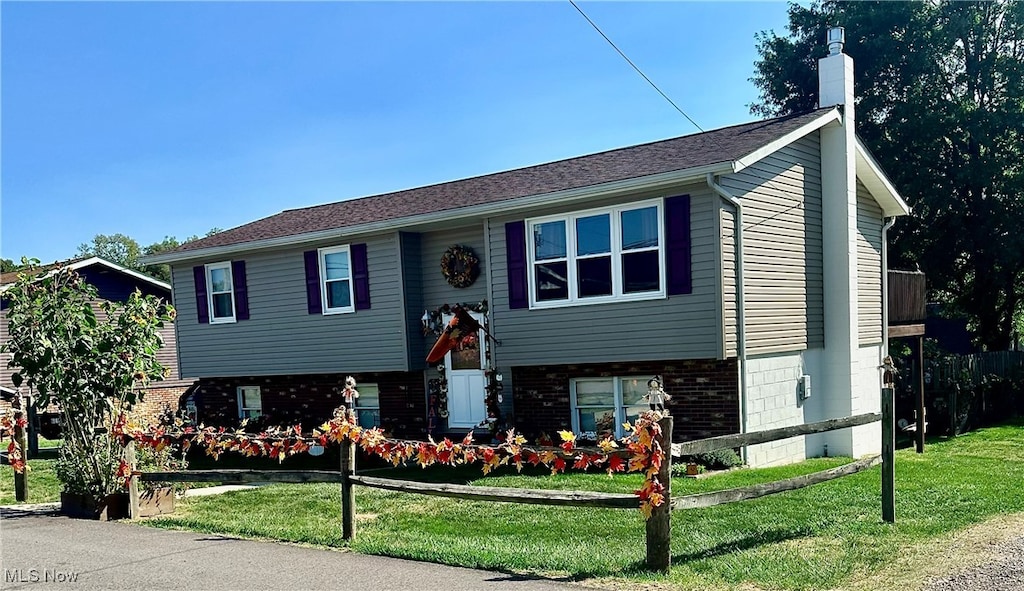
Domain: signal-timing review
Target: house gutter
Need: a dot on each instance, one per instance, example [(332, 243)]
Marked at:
[(472, 212), (885, 289), (741, 308)]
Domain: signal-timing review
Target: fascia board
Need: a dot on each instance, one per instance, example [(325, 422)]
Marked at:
[(878, 184), (114, 266), (611, 189), (98, 261), (789, 138)]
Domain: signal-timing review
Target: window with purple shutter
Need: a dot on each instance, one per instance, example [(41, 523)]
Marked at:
[(202, 305), (677, 254), (241, 291), (515, 254), (313, 300)]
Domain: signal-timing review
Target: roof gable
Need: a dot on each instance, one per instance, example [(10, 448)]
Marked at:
[(86, 264)]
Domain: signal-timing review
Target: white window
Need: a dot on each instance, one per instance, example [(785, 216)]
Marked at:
[(336, 280), (250, 402), (221, 292), (367, 406), (601, 405), (597, 256)]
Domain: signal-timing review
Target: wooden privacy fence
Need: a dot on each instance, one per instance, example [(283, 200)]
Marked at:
[(658, 526)]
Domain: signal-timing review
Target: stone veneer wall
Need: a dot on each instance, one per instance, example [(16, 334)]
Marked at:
[(705, 394), (310, 400)]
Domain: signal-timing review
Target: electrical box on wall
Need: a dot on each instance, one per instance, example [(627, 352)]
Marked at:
[(805, 387)]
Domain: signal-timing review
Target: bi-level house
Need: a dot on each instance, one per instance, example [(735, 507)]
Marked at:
[(742, 264)]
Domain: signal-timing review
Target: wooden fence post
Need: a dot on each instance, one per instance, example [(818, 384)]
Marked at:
[(348, 502), (659, 526), (133, 482), (888, 457), (920, 396), (20, 479), (33, 425)]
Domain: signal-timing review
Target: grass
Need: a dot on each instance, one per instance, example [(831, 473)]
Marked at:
[(43, 486), (821, 537)]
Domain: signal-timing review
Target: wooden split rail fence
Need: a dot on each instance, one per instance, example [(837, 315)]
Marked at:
[(659, 530)]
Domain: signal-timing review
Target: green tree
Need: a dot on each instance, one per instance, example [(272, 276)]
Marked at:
[(940, 89), (125, 251), (8, 266), (88, 364)]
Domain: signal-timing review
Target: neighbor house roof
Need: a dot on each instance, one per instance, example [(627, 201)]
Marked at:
[(719, 151), (80, 263)]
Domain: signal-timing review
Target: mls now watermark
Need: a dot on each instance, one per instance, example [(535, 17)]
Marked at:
[(39, 575)]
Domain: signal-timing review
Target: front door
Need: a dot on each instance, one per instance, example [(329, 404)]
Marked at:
[(466, 381)]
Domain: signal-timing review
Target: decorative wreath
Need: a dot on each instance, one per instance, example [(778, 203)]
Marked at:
[(460, 266)]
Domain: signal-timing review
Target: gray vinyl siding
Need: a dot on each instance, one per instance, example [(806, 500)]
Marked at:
[(281, 337), (436, 289), (782, 248), (729, 291), (677, 327), (869, 268)]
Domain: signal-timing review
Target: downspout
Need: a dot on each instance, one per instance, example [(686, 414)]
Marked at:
[(741, 311), (885, 289)]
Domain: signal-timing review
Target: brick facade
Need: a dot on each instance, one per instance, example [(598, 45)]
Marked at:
[(705, 394), (310, 400), (158, 395)]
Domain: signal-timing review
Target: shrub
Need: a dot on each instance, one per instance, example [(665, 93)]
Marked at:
[(721, 459)]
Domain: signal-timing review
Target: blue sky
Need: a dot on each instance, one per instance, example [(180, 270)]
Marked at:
[(157, 119)]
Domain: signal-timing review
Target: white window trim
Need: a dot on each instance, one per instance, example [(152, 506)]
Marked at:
[(620, 414), (614, 214), (209, 292), (358, 406), (242, 409), (322, 262)]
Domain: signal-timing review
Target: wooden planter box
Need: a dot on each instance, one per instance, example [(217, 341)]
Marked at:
[(158, 501), (110, 507)]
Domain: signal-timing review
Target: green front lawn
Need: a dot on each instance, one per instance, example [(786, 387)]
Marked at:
[(43, 486), (819, 537)]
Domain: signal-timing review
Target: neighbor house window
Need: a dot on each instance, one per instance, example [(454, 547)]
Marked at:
[(601, 405), (221, 292), (597, 256), (250, 402), (336, 280), (367, 406)]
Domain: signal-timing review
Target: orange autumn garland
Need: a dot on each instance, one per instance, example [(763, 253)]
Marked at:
[(641, 451), (15, 455)]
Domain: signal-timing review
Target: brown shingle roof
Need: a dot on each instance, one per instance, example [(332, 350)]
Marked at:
[(681, 153)]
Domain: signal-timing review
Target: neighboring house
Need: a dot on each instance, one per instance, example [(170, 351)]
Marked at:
[(599, 272), (114, 283)]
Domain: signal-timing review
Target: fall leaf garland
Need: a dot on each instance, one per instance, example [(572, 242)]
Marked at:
[(640, 452)]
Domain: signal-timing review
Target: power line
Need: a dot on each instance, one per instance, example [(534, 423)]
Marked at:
[(630, 62)]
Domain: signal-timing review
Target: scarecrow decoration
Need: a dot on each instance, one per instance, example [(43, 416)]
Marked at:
[(350, 393), (656, 395), (889, 372)]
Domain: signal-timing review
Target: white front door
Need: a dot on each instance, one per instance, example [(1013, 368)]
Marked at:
[(467, 382)]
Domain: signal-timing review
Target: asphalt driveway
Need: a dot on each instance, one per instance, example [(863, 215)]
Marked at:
[(40, 550)]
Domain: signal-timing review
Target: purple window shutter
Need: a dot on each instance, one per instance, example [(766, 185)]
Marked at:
[(241, 292), (313, 301), (677, 240), (360, 277), (202, 305), (515, 252)]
